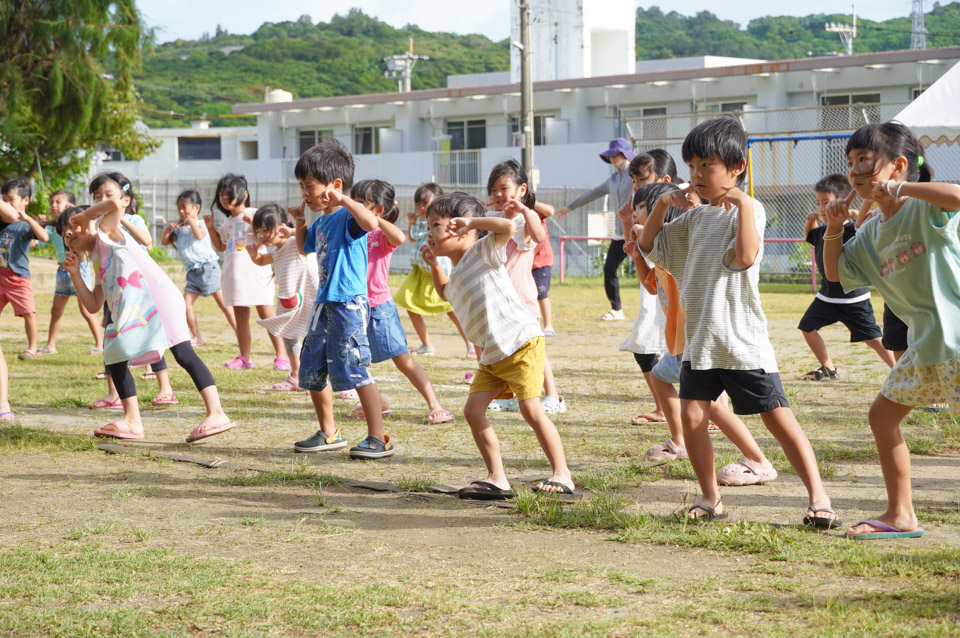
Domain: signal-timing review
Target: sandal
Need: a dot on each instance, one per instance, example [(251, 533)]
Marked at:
[(423, 351), (745, 472), (104, 403), (821, 522), (357, 413), (564, 493), (167, 398), (96, 350), (439, 416), (197, 433), (823, 373), (281, 363), (349, 395), (45, 350), (612, 315), (484, 491), (118, 432), (100, 376), (287, 385), (7, 417), (710, 514), (646, 419), (27, 355), (148, 375)]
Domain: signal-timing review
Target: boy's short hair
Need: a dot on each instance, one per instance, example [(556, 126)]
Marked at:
[(325, 162), (20, 184), (458, 204), (834, 183), (425, 191), (71, 198), (720, 137)]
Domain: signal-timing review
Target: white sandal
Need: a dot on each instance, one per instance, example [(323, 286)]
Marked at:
[(745, 472)]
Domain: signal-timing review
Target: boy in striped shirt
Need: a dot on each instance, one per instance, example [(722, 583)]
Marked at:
[(507, 336)]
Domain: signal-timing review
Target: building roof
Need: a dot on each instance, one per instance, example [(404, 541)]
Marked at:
[(762, 68)]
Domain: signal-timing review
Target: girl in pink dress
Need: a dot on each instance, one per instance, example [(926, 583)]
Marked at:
[(297, 282), (512, 199), (145, 314), (243, 283)]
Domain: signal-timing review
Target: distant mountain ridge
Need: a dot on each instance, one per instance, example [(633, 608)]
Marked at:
[(344, 56)]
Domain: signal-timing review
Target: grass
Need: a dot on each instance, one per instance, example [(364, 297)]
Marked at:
[(16, 439)]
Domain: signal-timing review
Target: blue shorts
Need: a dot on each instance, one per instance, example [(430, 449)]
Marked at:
[(541, 277), (204, 280), (385, 333), (336, 346), (668, 368), (64, 286)]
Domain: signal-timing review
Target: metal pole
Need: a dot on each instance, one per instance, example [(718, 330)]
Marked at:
[(526, 88)]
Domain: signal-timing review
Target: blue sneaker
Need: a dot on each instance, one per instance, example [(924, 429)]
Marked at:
[(320, 442), (373, 448)]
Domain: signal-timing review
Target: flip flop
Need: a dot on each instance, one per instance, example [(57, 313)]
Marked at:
[(27, 355), (646, 419), (119, 432), (165, 399), (549, 333), (565, 493), (885, 532), (100, 376), (101, 404), (7, 417), (147, 376), (45, 350), (439, 416), (197, 435), (821, 522), (711, 514), (357, 413), (485, 491)]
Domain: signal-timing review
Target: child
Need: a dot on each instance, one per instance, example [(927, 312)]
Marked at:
[(498, 322), (416, 294), (832, 304), (512, 199), (6, 414), (911, 255), (297, 280), (244, 283), (542, 263), (17, 230), (196, 253), (60, 201), (384, 330), (646, 339), (714, 253), (337, 345), (753, 468), (145, 314)]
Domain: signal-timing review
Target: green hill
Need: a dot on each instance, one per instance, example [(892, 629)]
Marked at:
[(343, 57)]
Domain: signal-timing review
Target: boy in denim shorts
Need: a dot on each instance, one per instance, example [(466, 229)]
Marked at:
[(337, 345)]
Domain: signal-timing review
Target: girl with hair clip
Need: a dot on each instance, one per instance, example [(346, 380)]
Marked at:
[(384, 330), (512, 199), (244, 283), (911, 254), (146, 314), (198, 257), (297, 282)]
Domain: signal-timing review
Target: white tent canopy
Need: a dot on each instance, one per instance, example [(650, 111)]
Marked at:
[(935, 115)]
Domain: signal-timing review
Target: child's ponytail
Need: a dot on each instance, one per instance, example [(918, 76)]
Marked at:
[(889, 141)]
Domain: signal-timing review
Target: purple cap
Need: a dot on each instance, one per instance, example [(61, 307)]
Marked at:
[(618, 146)]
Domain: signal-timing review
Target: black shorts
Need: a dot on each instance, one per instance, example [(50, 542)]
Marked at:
[(541, 276), (857, 317), (894, 331), (646, 361), (750, 391)]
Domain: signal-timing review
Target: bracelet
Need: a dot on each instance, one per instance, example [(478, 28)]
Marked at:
[(890, 192), (898, 189), (836, 235)]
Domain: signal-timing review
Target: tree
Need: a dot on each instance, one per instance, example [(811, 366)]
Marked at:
[(58, 103)]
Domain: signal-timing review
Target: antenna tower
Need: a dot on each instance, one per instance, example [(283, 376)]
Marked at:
[(918, 34), (847, 33)]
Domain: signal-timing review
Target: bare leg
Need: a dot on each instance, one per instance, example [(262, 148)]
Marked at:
[(549, 384), (475, 412), (549, 440), (456, 322), (783, 425), (323, 406), (421, 327), (131, 415), (658, 413), (669, 402), (4, 384), (163, 382), (93, 323), (270, 311), (418, 377), (885, 355), (189, 298), (211, 402), (819, 348), (885, 417), (112, 394), (56, 316), (242, 313), (226, 310), (370, 402), (546, 313), (695, 415), (735, 430), (30, 324)]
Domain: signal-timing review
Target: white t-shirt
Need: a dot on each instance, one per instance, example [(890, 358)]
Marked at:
[(725, 325), (489, 309)]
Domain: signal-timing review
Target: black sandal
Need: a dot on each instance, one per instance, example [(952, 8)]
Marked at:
[(823, 373), (564, 493), (484, 491), (711, 514), (822, 522)]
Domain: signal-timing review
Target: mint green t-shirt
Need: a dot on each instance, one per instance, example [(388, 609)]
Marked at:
[(913, 260)]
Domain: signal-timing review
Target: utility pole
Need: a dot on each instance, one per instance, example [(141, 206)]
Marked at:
[(918, 34), (400, 68), (526, 90), (847, 33)]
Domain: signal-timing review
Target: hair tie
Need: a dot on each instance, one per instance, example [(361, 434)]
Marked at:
[(919, 161)]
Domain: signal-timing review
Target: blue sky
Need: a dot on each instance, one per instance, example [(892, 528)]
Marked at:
[(188, 19)]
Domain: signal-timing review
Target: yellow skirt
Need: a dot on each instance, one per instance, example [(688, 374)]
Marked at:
[(418, 295)]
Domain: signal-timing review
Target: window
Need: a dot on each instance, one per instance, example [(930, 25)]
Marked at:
[(309, 137), (467, 134), (248, 149), (198, 148), (366, 140), (110, 154), (722, 107), (539, 130), (915, 93), (849, 111)]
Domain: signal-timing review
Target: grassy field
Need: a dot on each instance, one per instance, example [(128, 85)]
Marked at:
[(241, 537)]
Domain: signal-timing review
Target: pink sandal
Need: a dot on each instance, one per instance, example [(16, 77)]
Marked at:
[(357, 413), (118, 432), (103, 403), (439, 416), (287, 385), (745, 472), (165, 399), (197, 434)]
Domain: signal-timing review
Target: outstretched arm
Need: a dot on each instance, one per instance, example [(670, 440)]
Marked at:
[(501, 227)]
